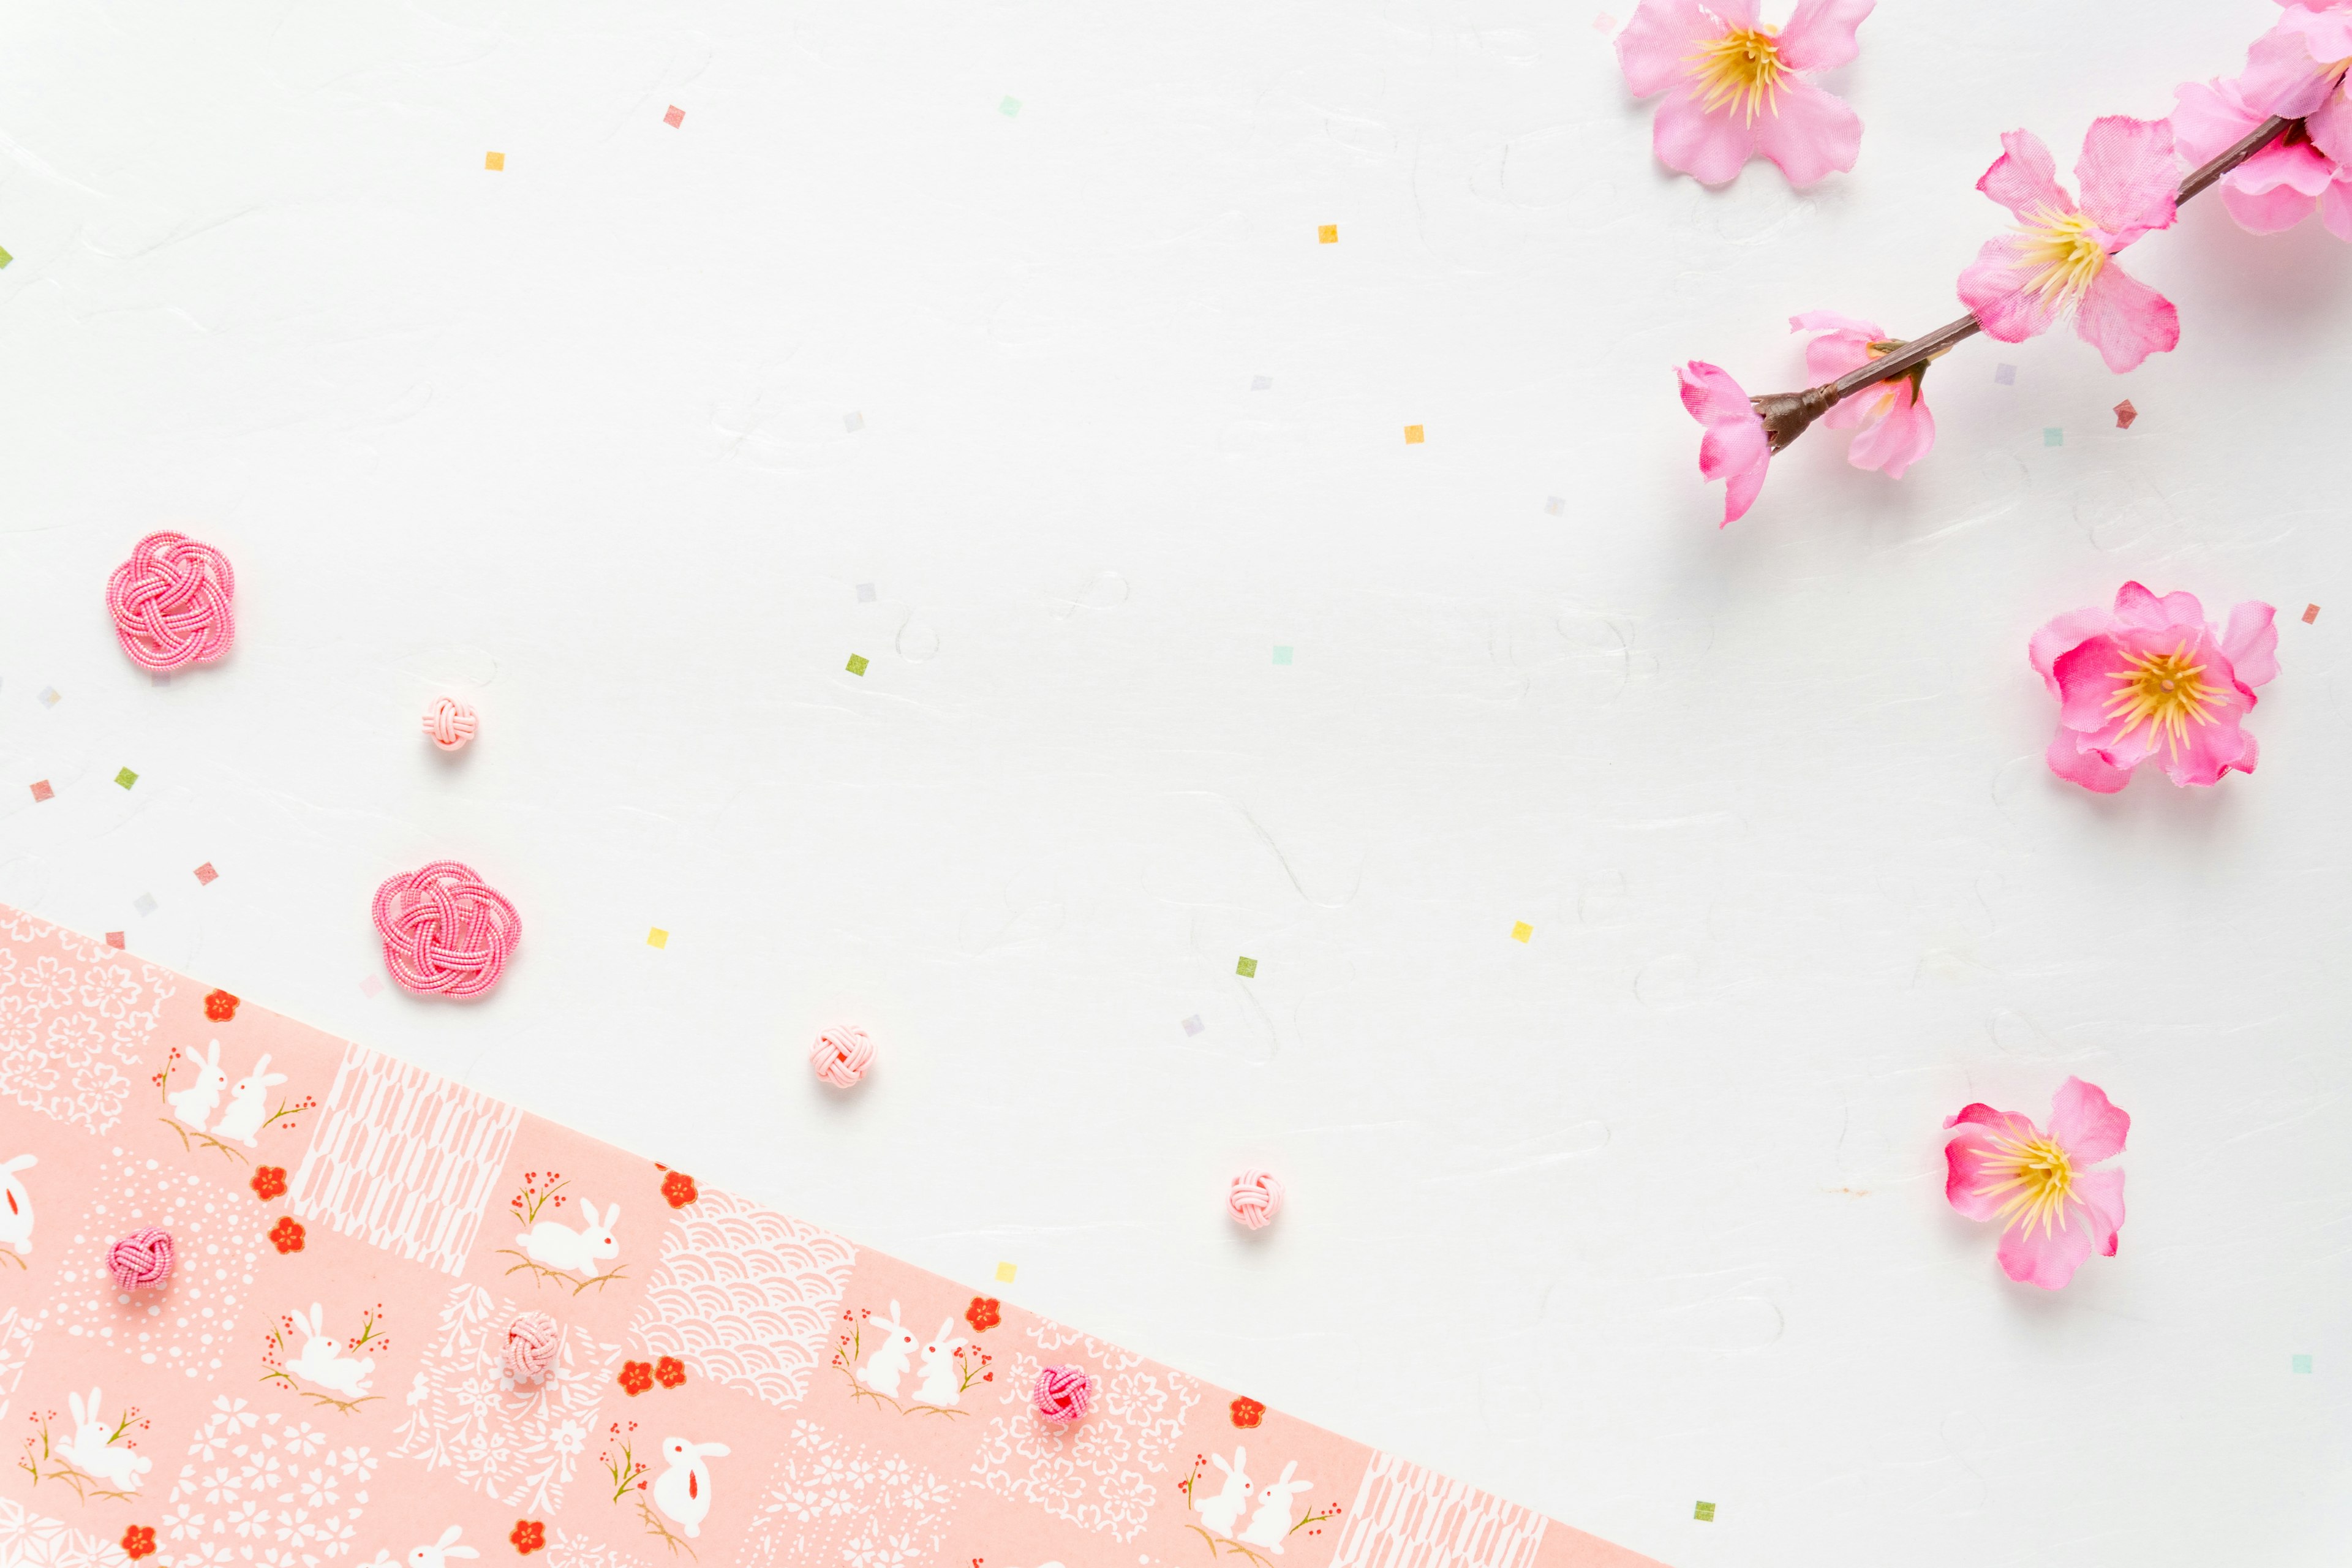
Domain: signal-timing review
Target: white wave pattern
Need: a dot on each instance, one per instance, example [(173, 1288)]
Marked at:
[(1408, 1517), (746, 1295)]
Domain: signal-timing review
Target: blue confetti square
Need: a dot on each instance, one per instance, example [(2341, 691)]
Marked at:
[(144, 903), (2303, 1363), (2054, 437), (1282, 656), (2005, 374)]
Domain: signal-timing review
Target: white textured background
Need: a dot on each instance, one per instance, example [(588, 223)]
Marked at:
[(1645, 1211)]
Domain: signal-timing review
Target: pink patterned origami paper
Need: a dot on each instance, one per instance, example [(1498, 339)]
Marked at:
[(322, 1381)]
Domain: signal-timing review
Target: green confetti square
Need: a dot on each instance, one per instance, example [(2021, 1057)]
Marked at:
[(2303, 1363), (1009, 108), (5, 259), (1282, 656), (126, 778), (1246, 969), (857, 664), (1705, 1513), (2054, 437)]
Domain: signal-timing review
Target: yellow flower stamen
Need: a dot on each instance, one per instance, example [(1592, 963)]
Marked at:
[(1741, 68), (2065, 252), (2164, 691), (2036, 1179)]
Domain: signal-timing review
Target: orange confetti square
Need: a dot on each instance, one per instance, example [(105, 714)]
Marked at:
[(2310, 613), (114, 939), (1412, 435), (494, 160), (1327, 234), (2125, 415), (41, 790), (675, 118), (205, 874)]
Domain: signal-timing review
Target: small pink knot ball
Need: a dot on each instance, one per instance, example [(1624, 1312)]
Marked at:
[(450, 724), (1063, 1394), (532, 1340), (1255, 1198), (842, 1056), (143, 1257)]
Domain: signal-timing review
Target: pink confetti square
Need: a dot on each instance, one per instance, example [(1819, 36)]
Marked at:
[(114, 939), (370, 985), (675, 118), (2125, 415), (1604, 22), (204, 873), (2310, 613), (41, 790)]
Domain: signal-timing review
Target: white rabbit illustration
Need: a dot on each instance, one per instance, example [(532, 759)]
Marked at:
[(245, 1113), (320, 1364), (554, 1246), (941, 1374), (1220, 1513), (887, 1365), (683, 1492), (194, 1103), (435, 1555), (17, 1214), (1271, 1524), (93, 1455)]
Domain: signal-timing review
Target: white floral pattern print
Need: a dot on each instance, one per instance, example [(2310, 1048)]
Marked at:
[(259, 1489)]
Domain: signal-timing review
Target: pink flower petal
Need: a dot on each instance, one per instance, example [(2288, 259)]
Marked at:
[(2127, 176), (1904, 435), (2048, 1255), (2024, 179), (2330, 126), (1654, 48), (1844, 345), (2209, 752), (2137, 608), (2124, 319), (2062, 633), (1735, 447), (1820, 33), (2073, 760), (1971, 1153), (2085, 675), (2297, 166), (1813, 134), (2249, 642), (1711, 396), (2335, 209), (1710, 147), (2207, 118), (1994, 285), (2102, 1196), (2282, 75), (2271, 212), (2086, 1123)]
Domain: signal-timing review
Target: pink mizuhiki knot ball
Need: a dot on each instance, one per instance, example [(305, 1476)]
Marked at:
[(1063, 1394), (141, 1259), (450, 724), (171, 602), (532, 1340), (840, 1056), (445, 930), (1255, 1198)]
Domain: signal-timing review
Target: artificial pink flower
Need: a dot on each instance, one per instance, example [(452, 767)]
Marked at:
[(1735, 447), (2061, 256), (2151, 678), (1893, 427), (2053, 1209), (1736, 89), (2276, 188), (2298, 69)]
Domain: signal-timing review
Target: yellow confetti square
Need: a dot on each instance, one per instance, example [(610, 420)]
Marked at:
[(1521, 930), (657, 938), (494, 160), (1412, 435), (1005, 1274), (1327, 234)]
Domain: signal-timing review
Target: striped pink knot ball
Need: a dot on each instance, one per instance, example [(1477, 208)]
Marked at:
[(1064, 1394), (1255, 1198), (450, 724), (532, 1340), (842, 1056), (143, 1257), (446, 929), (170, 601)]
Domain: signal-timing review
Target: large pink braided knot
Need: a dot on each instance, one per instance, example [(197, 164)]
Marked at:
[(142, 1257), (1255, 1197), (842, 1054), (446, 929), (170, 601), (1063, 1394)]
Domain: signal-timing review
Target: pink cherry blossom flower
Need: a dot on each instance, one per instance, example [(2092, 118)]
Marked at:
[(2053, 1209), (1735, 447), (2298, 69), (1894, 429), (1736, 89), (2061, 256), (2277, 187), (2152, 679)]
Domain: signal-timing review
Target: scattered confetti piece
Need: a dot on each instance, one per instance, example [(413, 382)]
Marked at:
[(857, 664), (494, 160), (657, 937), (2125, 415), (1328, 234), (1193, 1025), (1261, 384), (675, 118), (2052, 437), (1005, 1274), (1246, 969), (126, 778), (852, 423), (370, 985), (2302, 1363), (1412, 435), (51, 697), (1704, 1512), (1282, 656), (2006, 374), (1556, 505), (1521, 930), (2310, 613), (1009, 108), (1604, 22), (5, 259), (144, 903), (41, 790), (207, 875), (114, 939), (865, 593)]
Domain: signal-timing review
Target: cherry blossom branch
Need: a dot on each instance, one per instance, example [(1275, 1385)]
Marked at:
[(1787, 414)]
